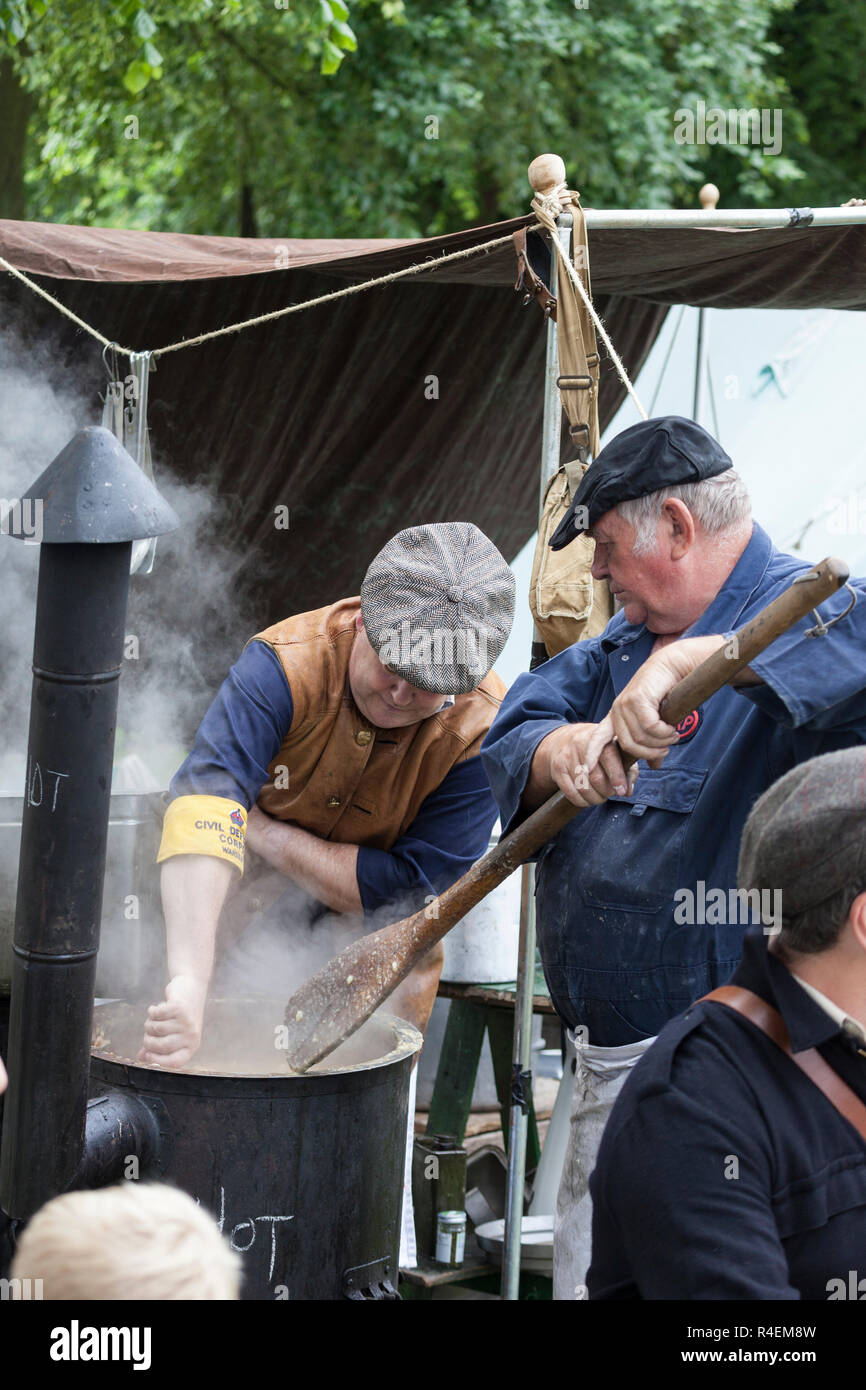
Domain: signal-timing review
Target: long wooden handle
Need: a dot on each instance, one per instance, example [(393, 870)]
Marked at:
[(338, 999), (719, 669)]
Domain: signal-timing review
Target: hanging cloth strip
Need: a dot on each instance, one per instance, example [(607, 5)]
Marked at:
[(124, 412)]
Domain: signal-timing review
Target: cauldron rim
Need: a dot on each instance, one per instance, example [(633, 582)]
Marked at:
[(137, 1076)]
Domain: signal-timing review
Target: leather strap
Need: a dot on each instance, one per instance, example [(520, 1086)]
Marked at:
[(810, 1062), (525, 272)]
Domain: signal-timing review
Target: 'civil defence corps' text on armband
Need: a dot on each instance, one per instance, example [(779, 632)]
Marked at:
[(211, 825)]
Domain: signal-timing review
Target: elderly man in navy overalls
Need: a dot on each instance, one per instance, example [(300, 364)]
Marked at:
[(633, 922)]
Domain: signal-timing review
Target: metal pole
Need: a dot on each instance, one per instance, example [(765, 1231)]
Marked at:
[(613, 219), (551, 430), (521, 1089), (521, 1085), (699, 360)]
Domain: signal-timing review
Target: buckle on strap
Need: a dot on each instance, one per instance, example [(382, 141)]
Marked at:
[(580, 437)]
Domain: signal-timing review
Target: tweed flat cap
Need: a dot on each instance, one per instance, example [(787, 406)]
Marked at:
[(438, 603), (807, 834), (650, 455)]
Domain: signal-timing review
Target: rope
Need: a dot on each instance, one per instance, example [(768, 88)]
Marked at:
[(602, 331), (549, 202), (37, 289), (432, 263), (548, 205)]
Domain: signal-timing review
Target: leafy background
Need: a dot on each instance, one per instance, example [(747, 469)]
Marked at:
[(313, 117)]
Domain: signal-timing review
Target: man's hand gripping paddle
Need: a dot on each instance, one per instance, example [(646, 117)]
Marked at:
[(335, 1001)]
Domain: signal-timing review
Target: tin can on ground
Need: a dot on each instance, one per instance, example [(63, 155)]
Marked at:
[(450, 1237), (438, 1184)]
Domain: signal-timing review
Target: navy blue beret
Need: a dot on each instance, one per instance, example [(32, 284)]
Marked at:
[(650, 455)]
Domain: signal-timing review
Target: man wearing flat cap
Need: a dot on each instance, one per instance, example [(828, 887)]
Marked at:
[(343, 750), (631, 922), (733, 1165)]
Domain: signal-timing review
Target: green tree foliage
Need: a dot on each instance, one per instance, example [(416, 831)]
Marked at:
[(823, 60), (399, 118), (99, 73)]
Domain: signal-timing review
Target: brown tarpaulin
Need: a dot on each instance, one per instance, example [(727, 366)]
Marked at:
[(333, 412), (792, 268)]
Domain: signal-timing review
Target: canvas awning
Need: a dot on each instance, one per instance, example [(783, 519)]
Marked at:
[(791, 268), (417, 401)]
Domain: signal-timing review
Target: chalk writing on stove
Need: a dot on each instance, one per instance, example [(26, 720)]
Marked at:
[(243, 1236), (38, 785)]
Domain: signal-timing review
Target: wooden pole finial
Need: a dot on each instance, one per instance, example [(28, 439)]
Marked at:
[(709, 197), (546, 172)]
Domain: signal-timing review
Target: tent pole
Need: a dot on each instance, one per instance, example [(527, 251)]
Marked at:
[(699, 363), (623, 219), (709, 197), (521, 1069), (551, 430)]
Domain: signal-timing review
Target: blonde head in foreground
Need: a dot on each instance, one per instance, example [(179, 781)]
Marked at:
[(133, 1241)]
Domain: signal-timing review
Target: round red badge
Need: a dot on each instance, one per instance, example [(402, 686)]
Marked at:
[(688, 726)]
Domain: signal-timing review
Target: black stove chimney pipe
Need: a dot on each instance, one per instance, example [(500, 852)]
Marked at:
[(92, 502)]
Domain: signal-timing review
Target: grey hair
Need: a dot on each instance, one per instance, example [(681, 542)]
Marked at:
[(717, 504)]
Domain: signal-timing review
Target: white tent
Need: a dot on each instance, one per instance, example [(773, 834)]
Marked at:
[(783, 391)]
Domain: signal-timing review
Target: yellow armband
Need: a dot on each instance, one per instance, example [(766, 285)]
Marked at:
[(204, 825)]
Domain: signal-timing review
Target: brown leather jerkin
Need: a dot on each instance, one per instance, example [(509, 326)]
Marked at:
[(350, 782), (810, 1061)]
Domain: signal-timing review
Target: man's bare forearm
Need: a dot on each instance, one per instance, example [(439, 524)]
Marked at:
[(194, 890), (540, 784), (327, 871)]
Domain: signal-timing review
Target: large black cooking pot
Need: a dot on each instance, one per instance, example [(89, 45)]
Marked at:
[(303, 1174)]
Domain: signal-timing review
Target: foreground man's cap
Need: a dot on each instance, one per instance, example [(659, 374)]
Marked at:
[(807, 834), (653, 454), (437, 604)]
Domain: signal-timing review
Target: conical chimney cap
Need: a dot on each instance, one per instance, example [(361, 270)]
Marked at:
[(94, 493)]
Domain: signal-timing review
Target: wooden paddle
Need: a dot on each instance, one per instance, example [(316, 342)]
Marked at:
[(335, 1001)]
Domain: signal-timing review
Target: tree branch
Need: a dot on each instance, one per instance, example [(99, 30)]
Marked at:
[(253, 60)]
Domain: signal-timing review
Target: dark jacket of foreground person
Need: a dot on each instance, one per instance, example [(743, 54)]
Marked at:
[(734, 1177)]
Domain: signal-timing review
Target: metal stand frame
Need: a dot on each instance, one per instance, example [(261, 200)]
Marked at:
[(521, 1086)]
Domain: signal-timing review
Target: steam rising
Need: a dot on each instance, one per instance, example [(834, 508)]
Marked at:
[(187, 622), (36, 420), (289, 938)]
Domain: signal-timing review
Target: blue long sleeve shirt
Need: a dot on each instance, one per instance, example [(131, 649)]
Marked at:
[(618, 957), (241, 734)]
